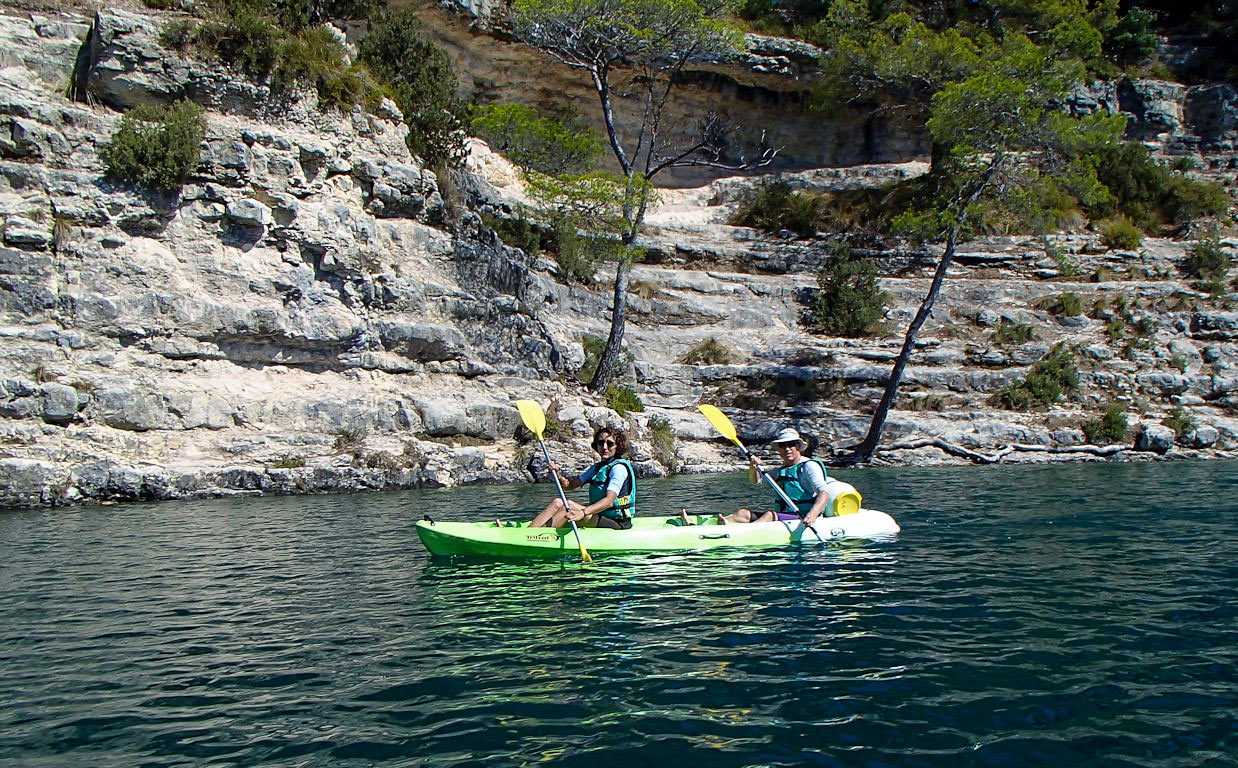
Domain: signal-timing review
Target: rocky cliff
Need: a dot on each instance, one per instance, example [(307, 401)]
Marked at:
[(309, 315)]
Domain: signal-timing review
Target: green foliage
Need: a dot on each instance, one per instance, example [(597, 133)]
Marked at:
[(289, 462), (1120, 234), (557, 145), (1177, 362), (350, 438), (1146, 191), (1010, 333), (1207, 260), (623, 399), (774, 206), (1111, 427), (1062, 305), (1051, 377), (421, 81), (849, 302), (593, 347), (518, 232), (156, 146), (662, 438), (313, 56), (1067, 265), (578, 255), (708, 352), (1180, 421), (1132, 40), (244, 34)]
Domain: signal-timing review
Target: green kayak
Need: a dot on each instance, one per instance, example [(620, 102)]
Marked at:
[(648, 534)]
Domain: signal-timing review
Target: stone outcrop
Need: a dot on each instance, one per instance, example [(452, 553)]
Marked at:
[(309, 314)]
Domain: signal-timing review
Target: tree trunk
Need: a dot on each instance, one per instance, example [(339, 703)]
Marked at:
[(863, 452), (608, 364)]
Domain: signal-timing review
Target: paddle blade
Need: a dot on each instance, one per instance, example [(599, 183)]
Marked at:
[(585, 557), (534, 419), (720, 422)]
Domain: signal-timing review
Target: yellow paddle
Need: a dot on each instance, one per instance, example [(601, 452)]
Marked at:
[(727, 430), (535, 420)]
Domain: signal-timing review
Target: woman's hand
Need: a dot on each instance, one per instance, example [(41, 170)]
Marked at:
[(575, 514)]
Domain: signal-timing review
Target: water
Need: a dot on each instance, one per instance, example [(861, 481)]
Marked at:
[(1026, 616)]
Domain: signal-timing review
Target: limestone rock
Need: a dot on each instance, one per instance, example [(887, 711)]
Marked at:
[(1156, 438)]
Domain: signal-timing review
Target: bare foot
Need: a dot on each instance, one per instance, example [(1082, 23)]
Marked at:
[(721, 519), (498, 523), (683, 517)]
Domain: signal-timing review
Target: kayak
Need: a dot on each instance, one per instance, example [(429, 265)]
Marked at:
[(647, 534)]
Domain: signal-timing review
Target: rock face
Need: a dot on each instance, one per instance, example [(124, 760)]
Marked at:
[(308, 315)]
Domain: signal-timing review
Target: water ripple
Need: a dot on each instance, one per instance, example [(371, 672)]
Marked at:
[(1032, 616)]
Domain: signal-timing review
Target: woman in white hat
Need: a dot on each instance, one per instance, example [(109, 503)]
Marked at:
[(802, 478)]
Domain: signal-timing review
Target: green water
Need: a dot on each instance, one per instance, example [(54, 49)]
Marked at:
[(1026, 616)]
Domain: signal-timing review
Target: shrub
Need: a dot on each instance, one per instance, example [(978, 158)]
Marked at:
[(157, 146), (1207, 260), (421, 81), (577, 254), (593, 347), (775, 206), (1052, 376), (663, 442), (350, 438), (314, 57), (550, 145), (623, 399), (1008, 333), (1067, 265), (708, 352), (243, 35), (849, 301), (1063, 305), (1110, 427), (1178, 362), (289, 462), (1180, 421), (518, 232), (1120, 234), (1147, 192)]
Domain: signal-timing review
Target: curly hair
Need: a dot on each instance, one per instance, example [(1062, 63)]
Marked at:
[(618, 435)]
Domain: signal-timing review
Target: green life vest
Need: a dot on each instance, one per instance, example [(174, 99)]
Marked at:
[(625, 503), (788, 478)]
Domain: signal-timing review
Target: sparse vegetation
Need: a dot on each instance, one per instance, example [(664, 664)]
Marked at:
[(1178, 362), (517, 232), (849, 302), (1207, 261), (1180, 421), (708, 352), (662, 438), (1009, 333), (623, 399), (350, 438), (157, 146), (1120, 234), (775, 207), (289, 462), (1110, 427), (555, 145), (1062, 305), (1050, 378)]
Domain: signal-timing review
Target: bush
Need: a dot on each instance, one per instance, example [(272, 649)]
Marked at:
[(550, 145), (1180, 421), (1207, 260), (1110, 427), (1120, 234), (518, 232), (156, 145), (623, 399), (1147, 192), (1008, 333), (421, 81), (1063, 305), (1052, 376), (708, 352), (577, 254), (663, 442), (849, 301), (775, 206), (243, 35)]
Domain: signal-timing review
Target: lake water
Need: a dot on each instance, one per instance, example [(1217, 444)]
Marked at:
[(1026, 616)]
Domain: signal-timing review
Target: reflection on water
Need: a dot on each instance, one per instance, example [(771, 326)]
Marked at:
[(1026, 616)]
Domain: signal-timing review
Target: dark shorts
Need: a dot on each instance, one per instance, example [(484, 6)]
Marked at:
[(615, 525)]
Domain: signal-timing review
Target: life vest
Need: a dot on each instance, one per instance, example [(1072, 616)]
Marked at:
[(788, 479), (625, 503)]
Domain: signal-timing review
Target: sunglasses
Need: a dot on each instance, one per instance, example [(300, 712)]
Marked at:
[(604, 444)]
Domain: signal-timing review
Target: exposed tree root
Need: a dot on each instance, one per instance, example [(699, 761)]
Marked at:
[(996, 458)]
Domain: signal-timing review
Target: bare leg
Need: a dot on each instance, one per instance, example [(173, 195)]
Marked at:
[(683, 517), (766, 517), (543, 518)]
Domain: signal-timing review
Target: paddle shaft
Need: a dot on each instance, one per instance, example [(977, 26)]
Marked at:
[(562, 495)]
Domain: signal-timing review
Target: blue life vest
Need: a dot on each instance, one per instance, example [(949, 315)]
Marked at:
[(625, 503), (788, 478)]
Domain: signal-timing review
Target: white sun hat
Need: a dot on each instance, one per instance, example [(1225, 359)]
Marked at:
[(789, 435)]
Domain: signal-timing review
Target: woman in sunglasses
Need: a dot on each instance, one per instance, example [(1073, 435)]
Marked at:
[(612, 488)]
